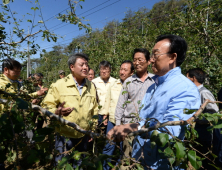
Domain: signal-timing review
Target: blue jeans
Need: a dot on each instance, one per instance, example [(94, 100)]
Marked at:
[(62, 145)]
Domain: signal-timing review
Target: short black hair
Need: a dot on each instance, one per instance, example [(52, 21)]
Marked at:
[(41, 74), (129, 62), (105, 64), (72, 59), (144, 51), (38, 74), (177, 45), (198, 73), (93, 71), (10, 64)]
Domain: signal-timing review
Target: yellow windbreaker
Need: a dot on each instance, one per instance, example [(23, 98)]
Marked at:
[(85, 106), (102, 88), (12, 89), (111, 100)]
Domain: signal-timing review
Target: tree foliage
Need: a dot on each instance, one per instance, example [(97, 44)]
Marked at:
[(198, 21), (195, 20)]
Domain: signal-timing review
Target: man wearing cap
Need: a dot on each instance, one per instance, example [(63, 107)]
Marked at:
[(61, 74)]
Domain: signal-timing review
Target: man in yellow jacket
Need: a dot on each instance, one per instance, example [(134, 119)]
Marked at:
[(11, 70), (74, 98), (9, 83), (111, 99)]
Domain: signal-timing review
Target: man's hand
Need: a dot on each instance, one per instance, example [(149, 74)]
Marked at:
[(63, 111), (90, 139), (35, 101), (105, 120), (42, 91), (119, 133)]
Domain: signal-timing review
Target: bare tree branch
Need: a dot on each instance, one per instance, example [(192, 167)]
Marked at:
[(141, 131), (23, 39)]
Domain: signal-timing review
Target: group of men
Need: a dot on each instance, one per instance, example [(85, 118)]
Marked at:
[(126, 102)]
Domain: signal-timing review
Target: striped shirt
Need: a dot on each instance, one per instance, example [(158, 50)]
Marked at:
[(134, 90)]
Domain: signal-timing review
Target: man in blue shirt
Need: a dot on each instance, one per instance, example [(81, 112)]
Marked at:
[(165, 100)]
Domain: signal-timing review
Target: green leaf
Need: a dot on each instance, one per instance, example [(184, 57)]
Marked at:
[(217, 168), (139, 167), (22, 104), (187, 111), (171, 160), (169, 152), (5, 2), (63, 162), (95, 117), (32, 157), (68, 167), (180, 152), (162, 139), (77, 156), (128, 83), (124, 92), (192, 158), (111, 165), (154, 136), (99, 165), (217, 126)]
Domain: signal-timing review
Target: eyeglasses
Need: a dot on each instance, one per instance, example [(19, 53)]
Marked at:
[(104, 69), (156, 56), (140, 60)]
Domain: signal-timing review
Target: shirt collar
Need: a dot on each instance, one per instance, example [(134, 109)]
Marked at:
[(70, 81), (135, 77), (160, 79), (199, 86), (12, 81), (83, 83), (102, 81)]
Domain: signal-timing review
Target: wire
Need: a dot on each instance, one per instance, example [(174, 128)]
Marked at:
[(86, 15), (79, 14), (93, 24)]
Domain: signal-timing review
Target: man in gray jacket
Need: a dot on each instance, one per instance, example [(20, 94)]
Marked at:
[(133, 91), (206, 138)]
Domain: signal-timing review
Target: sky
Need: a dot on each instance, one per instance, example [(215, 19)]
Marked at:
[(96, 12)]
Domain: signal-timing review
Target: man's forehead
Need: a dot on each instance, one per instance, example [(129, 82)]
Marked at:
[(81, 60), (104, 66), (161, 45), (125, 65)]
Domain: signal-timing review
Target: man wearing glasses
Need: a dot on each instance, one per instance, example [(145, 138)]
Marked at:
[(102, 84), (74, 98), (164, 101), (133, 91)]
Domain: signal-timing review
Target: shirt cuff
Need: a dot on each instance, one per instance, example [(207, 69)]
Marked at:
[(118, 122), (139, 127)]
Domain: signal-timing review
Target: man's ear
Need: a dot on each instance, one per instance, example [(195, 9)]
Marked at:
[(195, 79), (6, 70), (173, 58), (71, 66), (149, 62), (132, 73)]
